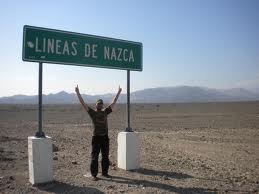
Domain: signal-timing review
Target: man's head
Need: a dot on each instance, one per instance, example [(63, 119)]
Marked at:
[(99, 104)]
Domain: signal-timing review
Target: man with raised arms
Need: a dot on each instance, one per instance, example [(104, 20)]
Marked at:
[(100, 139)]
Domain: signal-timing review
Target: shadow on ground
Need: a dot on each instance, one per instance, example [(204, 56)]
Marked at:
[(171, 175), (161, 186), (60, 187)]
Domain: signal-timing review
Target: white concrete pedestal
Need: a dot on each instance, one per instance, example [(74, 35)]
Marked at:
[(128, 151), (40, 160)]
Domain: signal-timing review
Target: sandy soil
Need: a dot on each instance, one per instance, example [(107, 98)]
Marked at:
[(185, 148)]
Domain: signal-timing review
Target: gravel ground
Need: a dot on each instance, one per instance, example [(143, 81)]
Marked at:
[(185, 148)]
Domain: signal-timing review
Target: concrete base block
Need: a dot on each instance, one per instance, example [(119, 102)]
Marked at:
[(128, 151), (40, 160)]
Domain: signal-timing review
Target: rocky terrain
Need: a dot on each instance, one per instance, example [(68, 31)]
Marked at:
[(185, 148)]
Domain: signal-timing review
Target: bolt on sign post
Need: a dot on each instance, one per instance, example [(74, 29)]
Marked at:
[(44, 45)]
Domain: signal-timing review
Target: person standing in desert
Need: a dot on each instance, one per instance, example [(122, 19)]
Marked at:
[(100, 138)]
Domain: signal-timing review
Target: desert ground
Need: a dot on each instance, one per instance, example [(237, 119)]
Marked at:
[(185, 148)]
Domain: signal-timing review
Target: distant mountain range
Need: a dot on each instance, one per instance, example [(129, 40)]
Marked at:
[(152, 95)]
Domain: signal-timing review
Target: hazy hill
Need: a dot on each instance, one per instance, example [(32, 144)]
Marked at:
[(151, 95), (192, 94)]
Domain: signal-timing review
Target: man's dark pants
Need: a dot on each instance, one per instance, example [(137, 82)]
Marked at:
[(100, 143)]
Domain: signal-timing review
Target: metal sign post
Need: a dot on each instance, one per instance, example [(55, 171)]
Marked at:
[(128, 129), (40, 133)]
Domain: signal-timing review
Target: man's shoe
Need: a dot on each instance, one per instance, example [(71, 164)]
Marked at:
[(94, 178), (107, 176)]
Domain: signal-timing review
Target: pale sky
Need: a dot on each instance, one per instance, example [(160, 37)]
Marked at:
[(208, 43)]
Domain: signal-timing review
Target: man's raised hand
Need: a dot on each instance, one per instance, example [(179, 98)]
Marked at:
[(77, 89), (119, 88), (81, 99)]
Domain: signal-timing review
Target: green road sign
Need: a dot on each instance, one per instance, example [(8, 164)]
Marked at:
[(55, 46)]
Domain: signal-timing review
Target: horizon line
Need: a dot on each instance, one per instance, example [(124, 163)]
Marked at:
[(206, 87)]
